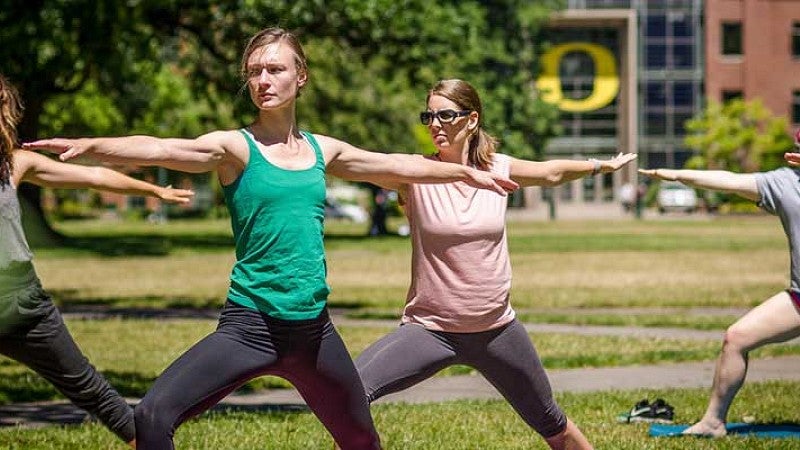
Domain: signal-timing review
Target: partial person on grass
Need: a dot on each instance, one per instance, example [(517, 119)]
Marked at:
[(275, 320), (458, 309), (31, 328), (775, 320)]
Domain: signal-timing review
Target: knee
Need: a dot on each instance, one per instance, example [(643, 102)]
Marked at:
[(736, 339), (149, 418)]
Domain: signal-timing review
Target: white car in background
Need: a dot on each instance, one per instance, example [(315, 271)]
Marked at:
[(675, 196)]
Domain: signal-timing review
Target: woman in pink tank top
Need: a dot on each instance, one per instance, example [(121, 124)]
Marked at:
[(457, 309)]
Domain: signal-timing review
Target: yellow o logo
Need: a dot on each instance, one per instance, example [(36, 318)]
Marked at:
[(606, 80)]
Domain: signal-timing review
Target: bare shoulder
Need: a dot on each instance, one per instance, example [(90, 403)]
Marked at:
[(331, 147)]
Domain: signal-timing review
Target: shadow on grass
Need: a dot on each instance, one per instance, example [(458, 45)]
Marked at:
[(136, 245), (154, 245), (65, 413)]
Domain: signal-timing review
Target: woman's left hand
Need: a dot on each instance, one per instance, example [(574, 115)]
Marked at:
[(616, 162), (171, 195)]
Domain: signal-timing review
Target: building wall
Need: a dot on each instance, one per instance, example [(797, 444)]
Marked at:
[(766, 69)]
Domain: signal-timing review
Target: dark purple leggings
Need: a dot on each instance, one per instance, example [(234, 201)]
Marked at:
[(505, 356), (248, 344)]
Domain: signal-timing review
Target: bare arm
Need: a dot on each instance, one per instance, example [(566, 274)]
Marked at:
[(559, 171), (43, 171), (742, 184), (202, 154), (392, 170)]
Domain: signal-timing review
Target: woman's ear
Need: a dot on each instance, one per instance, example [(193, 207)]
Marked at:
[(474, 121), (302, 78)]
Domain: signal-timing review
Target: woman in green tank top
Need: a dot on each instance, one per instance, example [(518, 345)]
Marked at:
[(274, 321)]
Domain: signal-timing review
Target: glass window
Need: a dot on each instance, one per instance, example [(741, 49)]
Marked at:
[(682, 56), (656, 124), (796, 107), (728, 95), (656, 56), (683, 94), (732, 38), (796, 39), (679, 123), (656, 95), (656, 26), (681, 24)]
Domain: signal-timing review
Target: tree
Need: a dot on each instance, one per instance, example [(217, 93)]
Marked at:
[(371, 64), (739, 136)]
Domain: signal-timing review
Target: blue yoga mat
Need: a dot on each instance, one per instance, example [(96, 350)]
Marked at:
[(757, 430)]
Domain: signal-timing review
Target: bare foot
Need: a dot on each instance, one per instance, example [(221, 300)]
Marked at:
[(706, 429)]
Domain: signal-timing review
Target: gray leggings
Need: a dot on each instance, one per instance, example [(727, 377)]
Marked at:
[(33, 333), (505, 356), (248, 344)]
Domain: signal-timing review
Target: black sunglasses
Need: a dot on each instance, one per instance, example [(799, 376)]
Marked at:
[(444, 115)]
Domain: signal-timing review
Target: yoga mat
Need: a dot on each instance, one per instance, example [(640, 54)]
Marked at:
[(757, 430)]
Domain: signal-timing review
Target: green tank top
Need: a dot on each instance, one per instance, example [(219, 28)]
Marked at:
[(277, 217)]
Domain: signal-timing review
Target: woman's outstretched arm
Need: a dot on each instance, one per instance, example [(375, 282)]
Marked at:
[(392, 170), (742, 184), (43, 171), (202, 154), (559, 171)]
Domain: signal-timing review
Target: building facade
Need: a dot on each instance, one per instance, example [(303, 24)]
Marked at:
[(673, 56), (753, 51)]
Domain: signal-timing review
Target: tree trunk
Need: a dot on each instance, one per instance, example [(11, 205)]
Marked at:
[(37, 230)]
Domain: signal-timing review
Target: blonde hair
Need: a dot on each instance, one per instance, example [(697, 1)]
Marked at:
[(269, 36), (482, 145), (10, 115)]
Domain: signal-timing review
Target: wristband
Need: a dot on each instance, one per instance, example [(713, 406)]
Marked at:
[(596, 167)]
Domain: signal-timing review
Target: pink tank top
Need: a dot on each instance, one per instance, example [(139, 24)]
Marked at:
[(460, 268)]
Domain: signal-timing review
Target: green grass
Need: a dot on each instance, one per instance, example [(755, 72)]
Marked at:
[(461, 425), (142, 348), (676, 265)]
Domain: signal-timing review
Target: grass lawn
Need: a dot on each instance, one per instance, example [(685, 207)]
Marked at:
[(132, 352), (605, 270), (461, 425)]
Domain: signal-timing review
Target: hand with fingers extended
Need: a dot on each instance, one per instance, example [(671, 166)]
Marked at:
[(487, 180), (615, 163), (660, 174), (172, 195), (793, 158), (66, 149)]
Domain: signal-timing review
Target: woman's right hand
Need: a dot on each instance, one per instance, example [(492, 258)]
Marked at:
[(482, 179), (66, 149), (661, 174)]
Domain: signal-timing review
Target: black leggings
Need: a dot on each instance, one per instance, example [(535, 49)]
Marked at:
[(33, 333), (505, 356), (248, 344)]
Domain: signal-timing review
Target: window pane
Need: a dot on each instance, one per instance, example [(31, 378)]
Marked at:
[(680, 121), (656, 124), (796, 39), (732, 38), (681, 24), (656, 95), (683, 56), (656, 26), (683, 94), (656, 56), (796, 107), (729, 95)]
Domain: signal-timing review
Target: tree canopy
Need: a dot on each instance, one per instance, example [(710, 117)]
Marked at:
[(170, 67), (741, 136)]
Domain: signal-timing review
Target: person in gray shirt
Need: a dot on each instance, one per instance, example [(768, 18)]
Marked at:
[(32, 331), (777, 319)]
